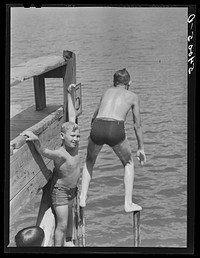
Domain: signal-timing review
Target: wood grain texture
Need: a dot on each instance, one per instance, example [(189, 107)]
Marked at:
[(32, 120), (29, 171), (35, 67), (69, 78), (27, 162), (27, 193), (136, 228)]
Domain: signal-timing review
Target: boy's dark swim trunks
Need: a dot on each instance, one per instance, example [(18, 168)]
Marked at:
[(61, 195), (107, 131)]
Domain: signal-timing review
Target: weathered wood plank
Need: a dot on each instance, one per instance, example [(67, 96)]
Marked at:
[(27, 118), (39, 90), (29, 191), (69, 78), (56, 73), (27, 122), (35, 67), (136, 228), (82, 236), (31, 114), (79, 223), (23, 172), (47, 121), (26, 162)]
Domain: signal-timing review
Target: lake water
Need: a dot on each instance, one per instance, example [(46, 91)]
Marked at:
[(152, 44)]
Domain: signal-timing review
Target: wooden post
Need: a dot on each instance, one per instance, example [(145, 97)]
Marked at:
[(75, 224), (82, 237), (69, 77), (79, 224), (136, 228), (39, 88)]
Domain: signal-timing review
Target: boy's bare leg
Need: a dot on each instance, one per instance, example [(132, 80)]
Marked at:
[(61, 224), (129, 206), (92, 152), (85, 181), (123, 151)]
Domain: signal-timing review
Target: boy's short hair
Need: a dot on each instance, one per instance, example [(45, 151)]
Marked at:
[(30, 236), (121, 76), (69, 126)]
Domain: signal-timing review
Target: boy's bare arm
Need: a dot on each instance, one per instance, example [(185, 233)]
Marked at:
[(137, 122), (138, 129), (71, 109), (96, 110), (50, 154)]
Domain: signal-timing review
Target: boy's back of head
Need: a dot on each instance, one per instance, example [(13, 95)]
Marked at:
[(121, 76), (30, 236)]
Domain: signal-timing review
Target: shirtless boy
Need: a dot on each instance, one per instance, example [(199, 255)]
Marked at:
[(65, 177), (108, 128)]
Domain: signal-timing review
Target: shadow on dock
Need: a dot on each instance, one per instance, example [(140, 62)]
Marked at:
[(28, 118)]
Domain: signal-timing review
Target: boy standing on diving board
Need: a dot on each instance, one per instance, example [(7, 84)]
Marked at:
[(108, 128)]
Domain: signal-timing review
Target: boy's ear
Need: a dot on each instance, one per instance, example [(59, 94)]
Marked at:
[(62, 135)]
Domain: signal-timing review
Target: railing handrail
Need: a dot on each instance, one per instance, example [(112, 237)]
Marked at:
[(35, 67)]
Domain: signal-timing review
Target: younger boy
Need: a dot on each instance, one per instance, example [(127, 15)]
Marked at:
[(65, 177), (66, 173)]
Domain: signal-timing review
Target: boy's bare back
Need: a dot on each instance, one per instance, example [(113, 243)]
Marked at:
[(116, 103)]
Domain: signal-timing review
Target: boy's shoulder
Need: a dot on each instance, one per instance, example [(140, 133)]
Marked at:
[(132, 95), (61, 152)]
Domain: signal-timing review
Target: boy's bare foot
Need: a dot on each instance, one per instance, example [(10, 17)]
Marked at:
[(69, 244), (132, 207)]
